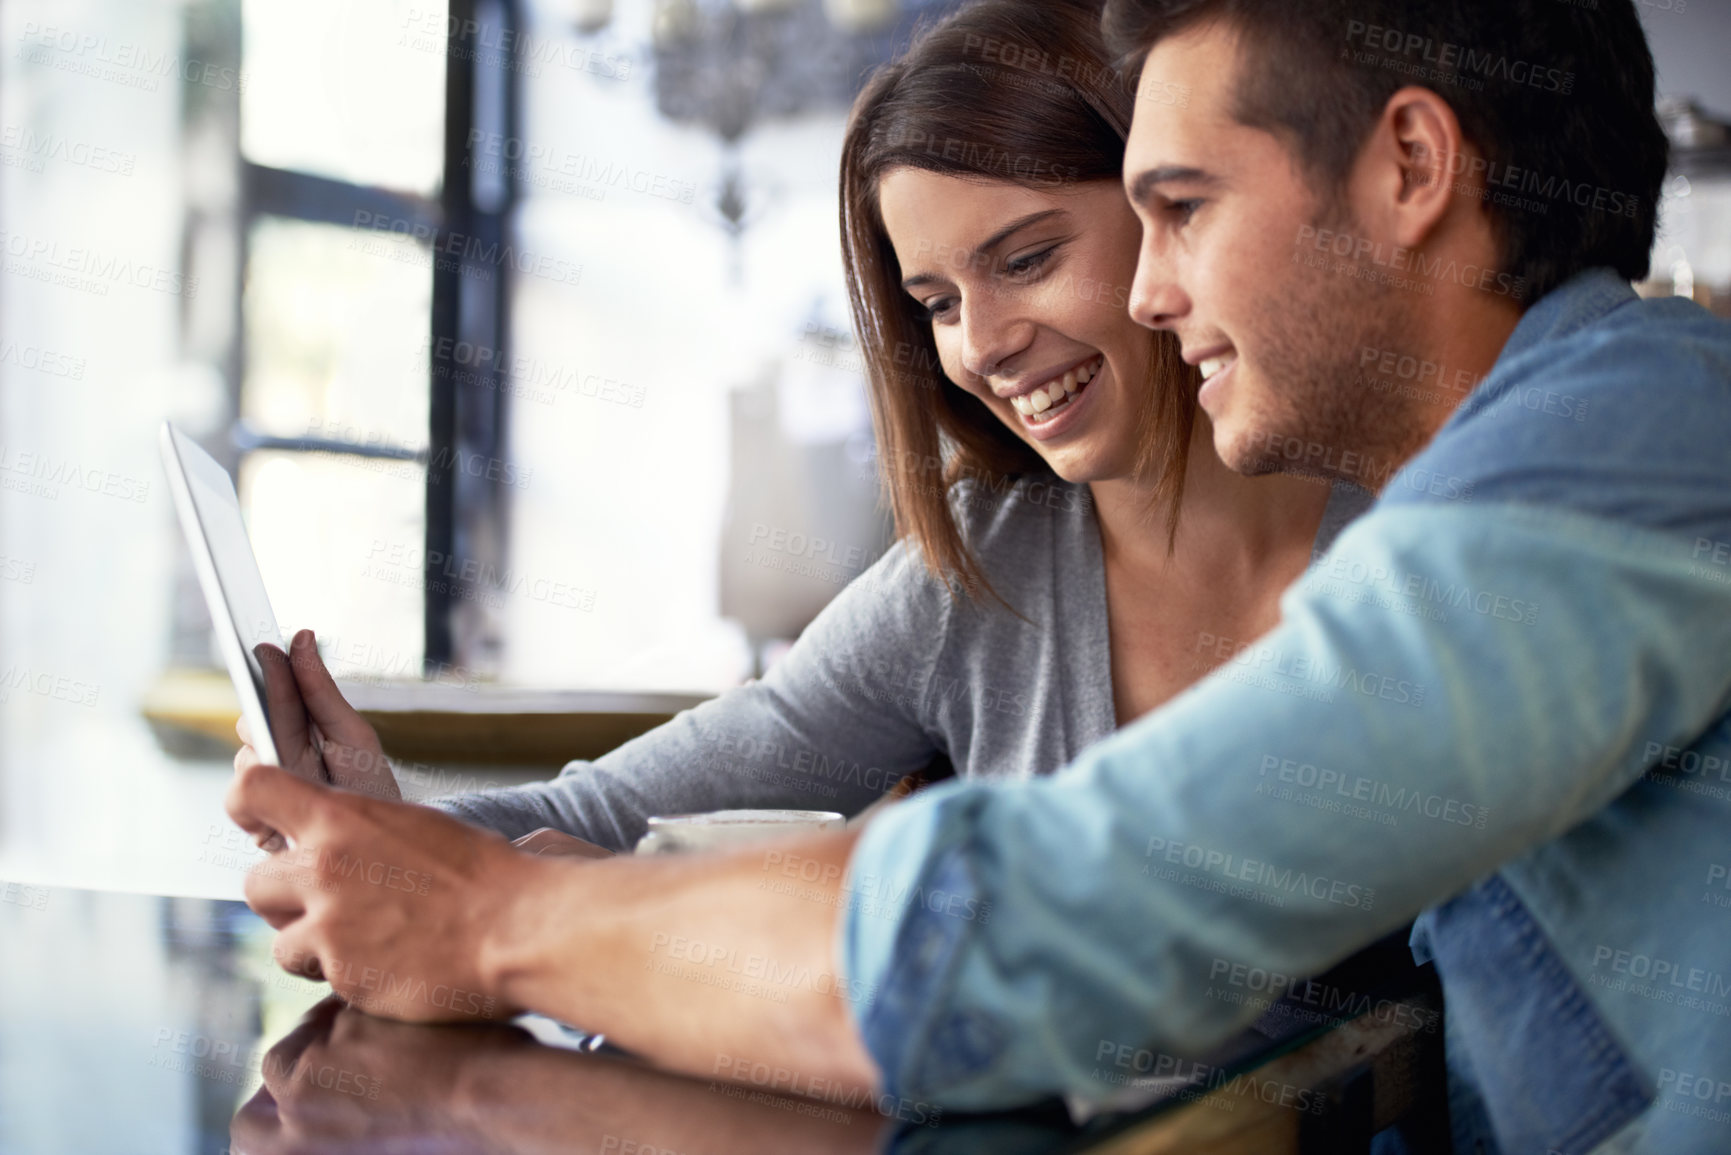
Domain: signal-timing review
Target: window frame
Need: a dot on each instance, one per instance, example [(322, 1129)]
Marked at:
[(465, 511)]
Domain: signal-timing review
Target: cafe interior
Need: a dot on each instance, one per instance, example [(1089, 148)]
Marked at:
[(521, 327)]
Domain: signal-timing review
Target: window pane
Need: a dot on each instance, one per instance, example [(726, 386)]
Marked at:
[(340, 543), (336, 333), (351, 89)]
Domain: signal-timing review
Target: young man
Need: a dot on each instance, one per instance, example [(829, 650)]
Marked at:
[(1398, 236), (1500, 699)]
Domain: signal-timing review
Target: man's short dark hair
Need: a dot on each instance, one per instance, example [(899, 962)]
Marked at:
[(1556, 94)]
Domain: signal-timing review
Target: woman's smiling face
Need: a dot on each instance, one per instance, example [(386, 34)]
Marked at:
[(1027, 290)]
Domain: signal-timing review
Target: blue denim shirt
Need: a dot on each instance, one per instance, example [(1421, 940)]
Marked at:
[(1499, 703)]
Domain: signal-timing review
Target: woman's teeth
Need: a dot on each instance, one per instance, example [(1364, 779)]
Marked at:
[(1057, 394)]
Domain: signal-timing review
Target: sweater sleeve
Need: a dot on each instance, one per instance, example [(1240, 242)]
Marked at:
[(836, 723)]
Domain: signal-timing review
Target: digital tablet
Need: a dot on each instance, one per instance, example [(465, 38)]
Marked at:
[(234, 590)]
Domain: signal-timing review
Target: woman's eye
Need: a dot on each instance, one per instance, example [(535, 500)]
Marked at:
[(1025, 266), (935, 309)]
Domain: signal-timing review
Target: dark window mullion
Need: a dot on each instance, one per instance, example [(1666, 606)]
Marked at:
[(247, 440), (306, 197), (466, 419), (442, 596)]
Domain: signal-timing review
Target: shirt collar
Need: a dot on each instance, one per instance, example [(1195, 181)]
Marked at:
[(1571, 306)]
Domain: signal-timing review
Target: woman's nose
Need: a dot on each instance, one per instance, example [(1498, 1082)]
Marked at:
[(993, 332)]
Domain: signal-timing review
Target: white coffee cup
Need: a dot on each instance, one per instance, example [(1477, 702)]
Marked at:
[(724, 829)]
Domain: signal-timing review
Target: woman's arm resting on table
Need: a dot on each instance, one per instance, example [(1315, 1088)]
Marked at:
[(707, 964), (775, 744)]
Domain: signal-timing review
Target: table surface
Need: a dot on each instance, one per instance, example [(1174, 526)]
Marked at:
[(139, 1024)]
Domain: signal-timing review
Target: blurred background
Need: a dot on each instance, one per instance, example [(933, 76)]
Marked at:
[(521, 324)]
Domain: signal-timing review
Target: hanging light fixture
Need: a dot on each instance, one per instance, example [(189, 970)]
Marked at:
[(674, 22), (591, 15), (583, 16)]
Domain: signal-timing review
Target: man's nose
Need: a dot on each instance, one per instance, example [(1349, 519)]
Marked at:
[(1156, 300)]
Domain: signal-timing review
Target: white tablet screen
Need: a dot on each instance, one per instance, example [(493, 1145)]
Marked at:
[(228, 572)]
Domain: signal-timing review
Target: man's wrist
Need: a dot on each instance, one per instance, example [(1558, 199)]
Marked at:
[(529, 908)]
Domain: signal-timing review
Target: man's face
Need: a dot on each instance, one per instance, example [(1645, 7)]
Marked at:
[(1224, 209)]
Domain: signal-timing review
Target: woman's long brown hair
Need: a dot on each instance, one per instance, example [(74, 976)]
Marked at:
[(1013, 90)]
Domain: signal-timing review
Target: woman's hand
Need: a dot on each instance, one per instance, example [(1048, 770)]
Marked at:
[(319, 736)]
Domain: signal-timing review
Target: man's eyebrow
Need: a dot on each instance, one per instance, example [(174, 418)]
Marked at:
[(1142, 188), (985, 247)]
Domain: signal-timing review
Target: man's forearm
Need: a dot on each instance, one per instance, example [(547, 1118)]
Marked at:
[(706, 964)]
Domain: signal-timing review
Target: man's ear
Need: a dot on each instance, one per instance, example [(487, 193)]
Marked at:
[(1414, 163)]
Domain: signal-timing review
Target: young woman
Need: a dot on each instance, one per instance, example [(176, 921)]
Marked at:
[(1071, 552)]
